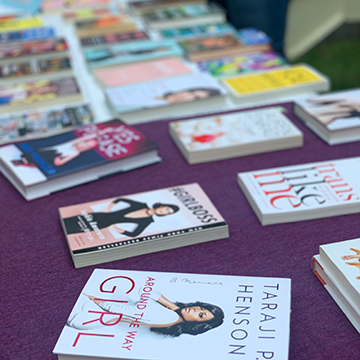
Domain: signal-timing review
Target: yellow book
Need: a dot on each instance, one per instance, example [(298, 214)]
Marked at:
[(20, 24)]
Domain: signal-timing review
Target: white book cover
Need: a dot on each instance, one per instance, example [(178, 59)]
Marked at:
[(151, 315), (304, 191)]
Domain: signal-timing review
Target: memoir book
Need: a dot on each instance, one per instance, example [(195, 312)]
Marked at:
[(167, 97), (303, 192), (137, 224), (114, 38), (122, 315), (335, 117), (39, 167), (235, 133), (338, 268)]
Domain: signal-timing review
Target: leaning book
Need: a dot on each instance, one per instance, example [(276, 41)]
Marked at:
[(39, 167), (141, 315), (137, 224), (303, 192)]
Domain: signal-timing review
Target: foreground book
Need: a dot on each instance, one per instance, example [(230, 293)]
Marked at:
[(303, 192), (39, 167), (338, 268), (334, 117), (238, 133), (137, 224), (148, 315)]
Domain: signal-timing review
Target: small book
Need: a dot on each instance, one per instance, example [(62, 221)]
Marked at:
[(130, 53), (39, 167), (219, 46), (235, 133), (241, 64), (334, 117), (59, 6), (137, 224), (39, 123), (40, 33), (141, 7), (141, 72), (122, 315), (44, 92), (167, 97), (271, 84), (114, 38), (338, 268), (303, 192)]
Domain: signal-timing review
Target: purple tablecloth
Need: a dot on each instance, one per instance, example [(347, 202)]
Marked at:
[(39, 284)]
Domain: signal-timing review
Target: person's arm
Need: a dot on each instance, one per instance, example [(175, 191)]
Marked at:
[(61, 159), (113, 203), (140, 228), (167, 303)]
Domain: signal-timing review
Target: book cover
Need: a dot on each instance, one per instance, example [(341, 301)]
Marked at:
[(232, 66), (36, 123), (304, 191), (38, 160), (144, 71), (34, 67), (61, 5), (40, 33), (183, 89), (122, 315), (103, 22), (17, 24), (88, 13), (127, 53), (252, 36), (31, 48), (114, 38), (28, 6), (210, 43)]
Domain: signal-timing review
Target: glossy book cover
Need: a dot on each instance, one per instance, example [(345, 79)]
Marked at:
[(141, 315)]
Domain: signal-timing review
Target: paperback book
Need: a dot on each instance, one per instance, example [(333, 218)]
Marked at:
[(27, 6), (303, 192), (120, 315), (338, 268), (334, 117), (137, 224), (39, 123), (270, 84), (158, 99), (39, 167), (17, 24), (235, 133), (74, 15), (114, 38), (141, 7), (252, 36), (40, 33), (59, 6)]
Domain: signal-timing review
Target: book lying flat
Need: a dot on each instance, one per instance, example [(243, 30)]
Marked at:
[(17, 24), (238, 133), (140, 7), (114, 38), (137, 224), (74, 15), (59, 6), (335, 116), (40, 33), (303, 192), (39, 167), (119, 315)]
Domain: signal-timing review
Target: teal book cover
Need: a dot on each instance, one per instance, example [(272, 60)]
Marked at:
[(29, 6)]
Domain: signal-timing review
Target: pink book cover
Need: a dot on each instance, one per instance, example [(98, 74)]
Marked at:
[(151, 70)]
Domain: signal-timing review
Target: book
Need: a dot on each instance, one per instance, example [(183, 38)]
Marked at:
[(158, 99), (271, 84), (253, 36), (334, 117), (129, 53), (43, 122), (197, 31), (43, 92), (74, 15), (141, 72), (184, 15), (303, 192), (119, 314), (40, 33), (338, 267), (219, 46), (28, 6), (238, 133), (30, 49), (241, 64), (114, 38), (39, 167), (106, 230), (17, 24), (59, 6), (140, 7)]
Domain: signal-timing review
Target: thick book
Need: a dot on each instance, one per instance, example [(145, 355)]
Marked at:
[(43, 122), (241, 64), (167, 97), (270, 84), (142, 315), (238, 133), (43, 92), (217, 46), (129, 53), (137, 224), (303, 192), (40, 33), (39, 167), (334, 117), (141, 72), (114, 38)]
